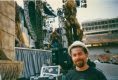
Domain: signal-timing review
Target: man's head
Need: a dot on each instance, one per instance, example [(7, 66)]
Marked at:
[(79, 53)]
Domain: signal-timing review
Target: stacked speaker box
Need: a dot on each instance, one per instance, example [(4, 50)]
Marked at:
[(55, 53), (60, 57), (77, 2)]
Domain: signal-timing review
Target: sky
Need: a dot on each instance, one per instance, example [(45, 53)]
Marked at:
[(55, 3), (96, 9)]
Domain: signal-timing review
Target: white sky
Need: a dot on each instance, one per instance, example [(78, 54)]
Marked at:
[(55, 3), (20, 3), (96, 9)]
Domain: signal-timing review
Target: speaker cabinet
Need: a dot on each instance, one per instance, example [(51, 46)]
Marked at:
[(61, 57)]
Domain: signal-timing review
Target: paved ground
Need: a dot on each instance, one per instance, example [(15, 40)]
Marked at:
[(110, 70)]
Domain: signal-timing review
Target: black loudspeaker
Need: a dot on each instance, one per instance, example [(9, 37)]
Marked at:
[(78, 2), (55, 53), (61, 57)]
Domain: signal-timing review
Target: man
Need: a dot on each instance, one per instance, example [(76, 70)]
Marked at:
[(55, 40), (79, 54)]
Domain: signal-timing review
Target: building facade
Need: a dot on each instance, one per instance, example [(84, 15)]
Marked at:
[(7, 28), (101, 36), (101, 32)]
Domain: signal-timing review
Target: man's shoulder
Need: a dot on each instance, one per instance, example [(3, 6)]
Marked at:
[(70, 73), (97, 71)]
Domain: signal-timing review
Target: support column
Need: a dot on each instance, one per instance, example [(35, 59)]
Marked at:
[(9, 68)]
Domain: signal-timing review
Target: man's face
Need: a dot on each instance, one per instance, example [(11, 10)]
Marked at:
[(79, 57)]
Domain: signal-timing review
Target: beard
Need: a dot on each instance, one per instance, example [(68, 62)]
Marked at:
[(79, 63)]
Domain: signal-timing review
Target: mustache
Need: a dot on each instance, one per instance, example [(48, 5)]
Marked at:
[(79, 60), (79, 63)]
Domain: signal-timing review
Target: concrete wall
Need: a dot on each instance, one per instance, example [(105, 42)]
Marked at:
[(101, 50), (7, 28), (94, 51)]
